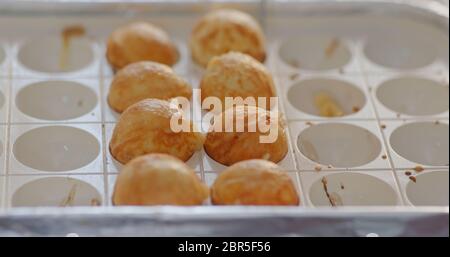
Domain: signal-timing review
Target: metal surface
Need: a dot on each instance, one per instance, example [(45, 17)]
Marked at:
[(230, 221), (225, 221)]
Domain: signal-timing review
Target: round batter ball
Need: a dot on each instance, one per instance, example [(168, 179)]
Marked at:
[(158, 179), (228, 145), (225, 30), (145, 127), (140, 41), (141, 80), (254, 182), (236, 75)]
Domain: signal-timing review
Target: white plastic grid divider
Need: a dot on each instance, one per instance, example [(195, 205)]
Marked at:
[(362, 69), (187, 69)]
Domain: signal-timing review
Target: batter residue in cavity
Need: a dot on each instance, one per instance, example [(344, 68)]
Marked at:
[(333, 198), (67, 34)]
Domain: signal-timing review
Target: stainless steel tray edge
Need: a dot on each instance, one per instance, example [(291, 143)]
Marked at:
[(225, 221)]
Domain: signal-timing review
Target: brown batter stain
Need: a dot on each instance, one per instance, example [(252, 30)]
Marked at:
[(95, 202), (294, 63), (294, 76), (418, 168), (67, 35), (356, 109), (331, 48), (318, 168), (70, 198), (384, 157), (325, 188), (383, 126), (413, 179), (408, 173)]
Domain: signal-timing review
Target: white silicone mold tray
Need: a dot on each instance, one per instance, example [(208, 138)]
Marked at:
[(389, 76)]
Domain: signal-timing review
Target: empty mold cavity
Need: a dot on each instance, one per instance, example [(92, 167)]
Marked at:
[(315, 53), (350, 189), (56, 192), (422, 142), (305, 96), (56, 148), (401, 51), (338, 144), (53, 56), (430, 188), (56, 100), (414, 96)]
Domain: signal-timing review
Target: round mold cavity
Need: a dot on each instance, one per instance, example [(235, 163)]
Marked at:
[(348, 97), (422, 142), (351, 189), (56, 100), (315, 53), (338, 144), (430, 189), (414, 96), (56, 192), (56, 148), (46, 55), (400, 51)]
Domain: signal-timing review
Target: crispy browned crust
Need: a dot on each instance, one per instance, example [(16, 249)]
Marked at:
[(228, 148), (236, 75), (140, 41), (141, 80), (254, 182), (158, 179), (225, 30), (144, 128)]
